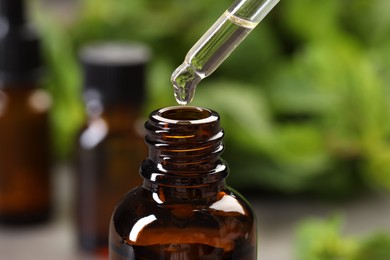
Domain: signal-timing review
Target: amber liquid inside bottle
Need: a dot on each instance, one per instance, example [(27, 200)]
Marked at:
[(110, 151), (184, 209), (24, 156)]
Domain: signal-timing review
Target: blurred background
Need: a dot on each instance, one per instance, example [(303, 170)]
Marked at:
[(303, 100)]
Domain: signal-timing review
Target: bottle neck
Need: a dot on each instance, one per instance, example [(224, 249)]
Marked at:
[(185, 144), (12, 87), (119, 113)]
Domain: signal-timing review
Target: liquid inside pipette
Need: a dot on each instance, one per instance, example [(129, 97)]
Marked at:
[(208, 53)]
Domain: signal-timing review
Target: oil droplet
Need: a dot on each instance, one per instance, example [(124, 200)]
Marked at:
[(184, 80)]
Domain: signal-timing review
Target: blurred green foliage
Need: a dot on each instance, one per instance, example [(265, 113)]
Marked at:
[(323, 240), (304, 100)]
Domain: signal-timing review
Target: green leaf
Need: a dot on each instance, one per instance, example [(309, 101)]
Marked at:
[(321, 240)]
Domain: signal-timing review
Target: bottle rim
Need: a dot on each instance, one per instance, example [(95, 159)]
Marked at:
[(193, 115)]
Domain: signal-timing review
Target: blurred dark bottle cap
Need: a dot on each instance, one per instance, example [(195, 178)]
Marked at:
[(116, 71), (13, 11), (20, 56)]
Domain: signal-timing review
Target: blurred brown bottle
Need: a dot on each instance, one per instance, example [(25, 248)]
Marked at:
[(111, 146), (184, 209), (24, 124)]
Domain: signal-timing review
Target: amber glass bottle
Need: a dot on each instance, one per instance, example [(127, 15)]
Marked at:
[(24, 125), (111, 146), (184, 209)]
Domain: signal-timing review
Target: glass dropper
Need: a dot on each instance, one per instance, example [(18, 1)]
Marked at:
[(217, 44)]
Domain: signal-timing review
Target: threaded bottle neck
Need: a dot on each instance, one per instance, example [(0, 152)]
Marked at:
[(187, 142)]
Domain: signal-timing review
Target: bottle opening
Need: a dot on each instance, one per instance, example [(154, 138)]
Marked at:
[(186, 114)]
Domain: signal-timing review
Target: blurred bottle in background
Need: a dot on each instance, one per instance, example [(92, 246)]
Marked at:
[(25, 193), (111, 146)]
